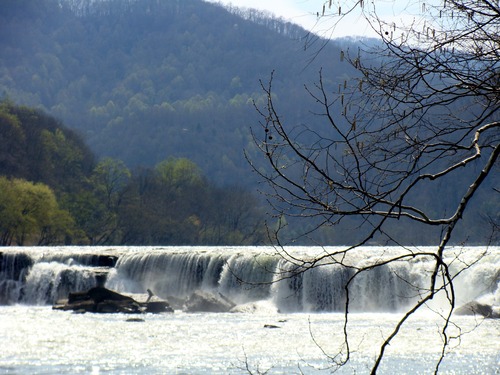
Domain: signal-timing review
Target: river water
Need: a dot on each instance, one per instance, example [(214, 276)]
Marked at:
[(38, 340), (273, 333)]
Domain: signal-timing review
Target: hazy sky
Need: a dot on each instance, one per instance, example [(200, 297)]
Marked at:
[(297, 11), (303, 13)]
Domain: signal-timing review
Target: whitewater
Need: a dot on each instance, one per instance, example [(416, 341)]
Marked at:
[(287, 322)]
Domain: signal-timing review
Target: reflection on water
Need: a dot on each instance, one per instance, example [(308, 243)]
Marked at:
[(36, 339)]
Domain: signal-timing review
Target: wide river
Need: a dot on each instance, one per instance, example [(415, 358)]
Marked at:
[(38, 340), (292, 326)]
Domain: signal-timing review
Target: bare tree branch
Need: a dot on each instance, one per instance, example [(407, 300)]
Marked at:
[(423, 111)]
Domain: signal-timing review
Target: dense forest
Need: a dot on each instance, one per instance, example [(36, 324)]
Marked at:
[(54, 192), (158, 101), (146, 80)]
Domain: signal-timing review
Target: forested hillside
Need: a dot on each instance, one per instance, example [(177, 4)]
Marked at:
[(164, 88), (143, 80), (53, 191)]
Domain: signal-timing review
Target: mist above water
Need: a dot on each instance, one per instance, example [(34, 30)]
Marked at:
[(244, 275)]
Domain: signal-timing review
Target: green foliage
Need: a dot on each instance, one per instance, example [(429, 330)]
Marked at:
[(30, 214), (12, 139), (105, 203), (39, 148), (175, 204), (109, 179), (179, 173), (165, 78), (95, 210), (146, 80)]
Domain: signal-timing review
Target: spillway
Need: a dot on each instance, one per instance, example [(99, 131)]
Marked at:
[(283, 277)]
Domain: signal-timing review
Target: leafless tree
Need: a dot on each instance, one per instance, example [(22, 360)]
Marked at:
[(422, 110)]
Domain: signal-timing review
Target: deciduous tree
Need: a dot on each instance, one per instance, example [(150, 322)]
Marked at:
[(30, 214)]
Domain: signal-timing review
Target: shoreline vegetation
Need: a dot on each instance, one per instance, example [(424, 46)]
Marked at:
[(54, 192)]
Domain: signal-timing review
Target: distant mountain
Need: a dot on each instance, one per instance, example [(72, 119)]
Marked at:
[(143, 80), (148, 80)]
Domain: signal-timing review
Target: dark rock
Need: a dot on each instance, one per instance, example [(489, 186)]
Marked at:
[(476, 308), (114, 306), (158, 307), (151, 303), (99, 294), (75, 297), (207, 302), (80, 306), (102, 300), (135, 320), (107, 261), (101, 276)]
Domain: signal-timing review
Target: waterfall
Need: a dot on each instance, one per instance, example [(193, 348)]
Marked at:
[(36, 276), (244, 274), (317, 289), (247, 277), (239, 276), (166, 273), (48, 282), (13, 270)]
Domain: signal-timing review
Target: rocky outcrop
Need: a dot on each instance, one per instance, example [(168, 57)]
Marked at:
[(102, 300), (476, 308), (200, 301)]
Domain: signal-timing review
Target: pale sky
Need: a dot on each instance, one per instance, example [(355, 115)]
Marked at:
[(296, 11), (303, 12)]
